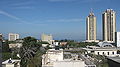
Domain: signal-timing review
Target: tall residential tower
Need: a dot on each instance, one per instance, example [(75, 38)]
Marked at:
[(91, 28), (109, 25)]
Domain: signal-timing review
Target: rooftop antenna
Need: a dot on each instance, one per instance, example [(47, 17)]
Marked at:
[(91, 10)]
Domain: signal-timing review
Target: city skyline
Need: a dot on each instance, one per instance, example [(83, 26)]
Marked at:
[(64, 19)]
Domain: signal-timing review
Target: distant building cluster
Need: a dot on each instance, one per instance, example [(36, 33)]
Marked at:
[(55, 57)]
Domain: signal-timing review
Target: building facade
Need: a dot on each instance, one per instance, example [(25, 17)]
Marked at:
[(52, 56), (1, 37), (91, 27), (13, 36), (56, 58), (117, 39), (47, 38), (109, 25)]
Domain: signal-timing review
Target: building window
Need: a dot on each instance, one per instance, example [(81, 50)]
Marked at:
[(118, 52), (98, 53), (92, 51), (108, 53), (113, 53), (103, 53)]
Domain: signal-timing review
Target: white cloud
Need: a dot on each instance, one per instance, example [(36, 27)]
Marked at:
[(22, 3), (11, 16), (27, 4), (17, 18)]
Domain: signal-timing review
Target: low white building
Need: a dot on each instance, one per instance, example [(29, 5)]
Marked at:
[(45, 45), (55, 58), (11, 63), (56, 43), (18, 45), (107, 51), (52, 56)]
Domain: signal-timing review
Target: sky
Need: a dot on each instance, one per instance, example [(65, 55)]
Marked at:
[(64, 19)]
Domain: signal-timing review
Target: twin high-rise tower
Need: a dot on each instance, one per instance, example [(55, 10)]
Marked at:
[(108, 26), (91, 27)]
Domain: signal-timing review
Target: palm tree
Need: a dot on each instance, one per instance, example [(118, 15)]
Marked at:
[(26, 54), (31, 53), (27, 51), (36, 61)]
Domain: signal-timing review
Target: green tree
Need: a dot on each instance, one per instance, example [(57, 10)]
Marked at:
[(26, 54), (29, 41), (5, 46), (31, 52), (6, 55), (36, 61), (72, 44)]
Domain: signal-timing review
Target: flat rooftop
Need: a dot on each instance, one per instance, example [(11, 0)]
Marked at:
[(12, 61), (101, 48)]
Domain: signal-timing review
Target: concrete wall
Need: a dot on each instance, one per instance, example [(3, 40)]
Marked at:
[(69, 64), (52, 56), (106, 53)]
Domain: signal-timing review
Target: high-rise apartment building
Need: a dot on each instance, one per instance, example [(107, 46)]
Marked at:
[(47, 38), (13, 36), (91, 28), (109, 25)]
